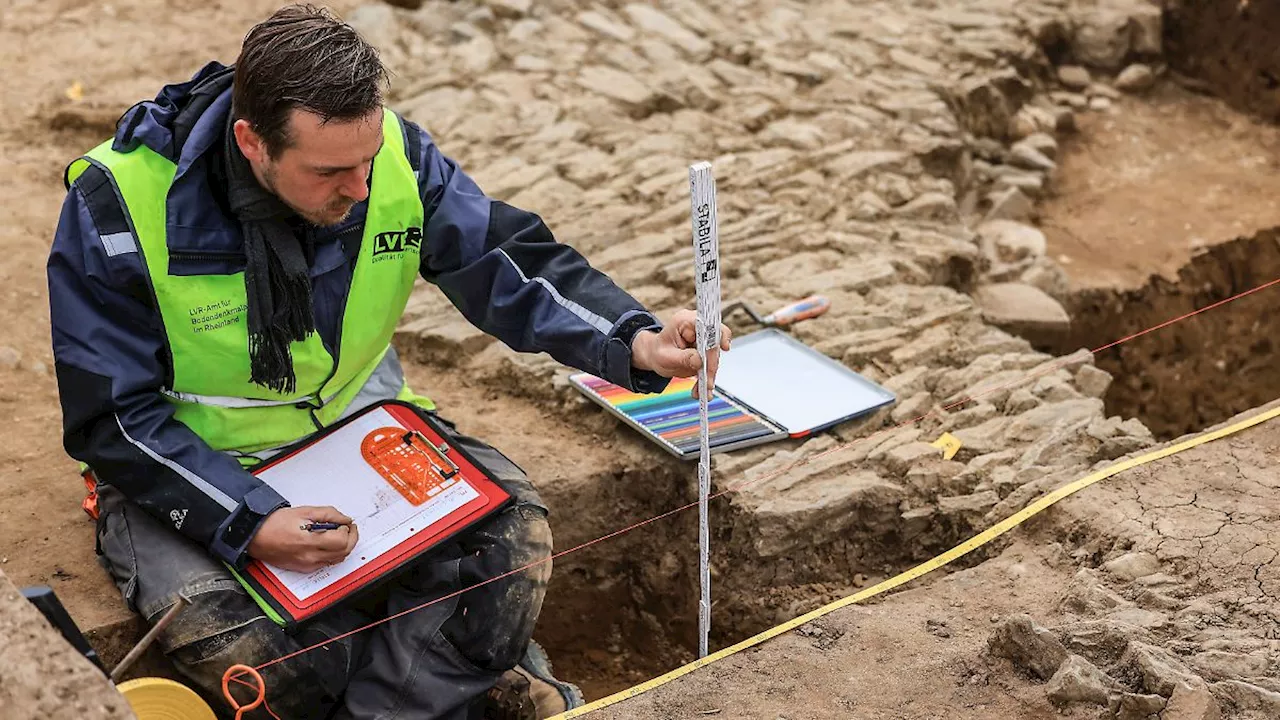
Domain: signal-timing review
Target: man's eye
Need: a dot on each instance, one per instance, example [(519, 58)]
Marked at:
[(327, 173)]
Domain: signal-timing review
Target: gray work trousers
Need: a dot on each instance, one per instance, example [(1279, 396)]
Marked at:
[(429, 664)]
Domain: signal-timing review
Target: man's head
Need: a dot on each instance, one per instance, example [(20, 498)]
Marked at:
[(308, 108)]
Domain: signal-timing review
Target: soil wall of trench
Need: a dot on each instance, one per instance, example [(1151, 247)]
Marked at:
[(1229, 45), (623, 611), (1199, 371)]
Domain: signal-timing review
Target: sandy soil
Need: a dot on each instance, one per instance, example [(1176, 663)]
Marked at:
[(1144, 186)]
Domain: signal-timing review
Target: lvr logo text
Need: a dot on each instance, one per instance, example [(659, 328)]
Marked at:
[(397, 241)]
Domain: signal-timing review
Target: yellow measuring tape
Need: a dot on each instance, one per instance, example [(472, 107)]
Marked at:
[(945, 558)]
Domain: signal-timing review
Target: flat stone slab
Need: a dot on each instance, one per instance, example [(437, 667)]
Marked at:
[(1022, 309), (42, 676)]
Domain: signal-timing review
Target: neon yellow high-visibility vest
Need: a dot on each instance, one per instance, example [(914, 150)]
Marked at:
[(206, 316)]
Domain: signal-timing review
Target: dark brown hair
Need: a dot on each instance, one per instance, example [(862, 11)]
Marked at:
[(304, 57)]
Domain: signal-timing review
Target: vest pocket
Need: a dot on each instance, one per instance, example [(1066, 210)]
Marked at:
[(185, 263)]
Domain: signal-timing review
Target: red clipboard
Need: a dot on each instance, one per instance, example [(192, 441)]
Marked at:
[(413, 455)]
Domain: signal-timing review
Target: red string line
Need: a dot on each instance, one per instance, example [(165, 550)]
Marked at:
[(1052, 367)]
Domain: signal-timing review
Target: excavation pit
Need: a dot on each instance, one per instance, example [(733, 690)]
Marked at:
[(623, 611)]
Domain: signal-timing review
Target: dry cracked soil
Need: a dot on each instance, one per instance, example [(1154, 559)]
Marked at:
[(982, 188)]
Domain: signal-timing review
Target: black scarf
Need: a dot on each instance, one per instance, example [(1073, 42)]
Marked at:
[(276, 277)]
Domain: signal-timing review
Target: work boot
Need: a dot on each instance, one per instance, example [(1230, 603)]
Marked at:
[(530, 691), (550, 696), (508, 699)]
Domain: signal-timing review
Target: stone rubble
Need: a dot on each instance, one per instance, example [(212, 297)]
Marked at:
[(1192, 703), (1022, 309), (1101, 641), (1136, 78), (1029, 646), (1132, 566), (1079, 681), (1074, 77), (42, 675), (1160, 672), (1149, 643), (1010, 203), (1133, 706)]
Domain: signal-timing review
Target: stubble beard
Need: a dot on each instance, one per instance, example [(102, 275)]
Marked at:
[(269, 180)]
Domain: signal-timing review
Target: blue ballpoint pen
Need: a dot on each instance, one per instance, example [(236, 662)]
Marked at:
[(318, 526)]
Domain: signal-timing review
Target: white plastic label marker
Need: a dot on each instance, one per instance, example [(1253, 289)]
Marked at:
[(706, 268)]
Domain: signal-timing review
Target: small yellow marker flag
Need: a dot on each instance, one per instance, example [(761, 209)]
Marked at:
[(76, 92), (949, 445)]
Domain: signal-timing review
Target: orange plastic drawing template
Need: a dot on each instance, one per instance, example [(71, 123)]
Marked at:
[(409, 462)]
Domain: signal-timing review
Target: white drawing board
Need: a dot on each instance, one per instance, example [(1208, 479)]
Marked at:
[(794, 385)]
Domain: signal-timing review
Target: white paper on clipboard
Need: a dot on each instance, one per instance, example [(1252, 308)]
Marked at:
[(333, 472)]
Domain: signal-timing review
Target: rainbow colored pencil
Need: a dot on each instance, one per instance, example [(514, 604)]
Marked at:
[(671, 417)]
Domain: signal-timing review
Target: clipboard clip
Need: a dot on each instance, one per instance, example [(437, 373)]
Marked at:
[(436, 454)]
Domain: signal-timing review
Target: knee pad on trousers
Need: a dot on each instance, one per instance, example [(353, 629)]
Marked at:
[(494, 621)]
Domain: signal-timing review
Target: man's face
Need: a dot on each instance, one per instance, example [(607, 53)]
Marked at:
[(325, 169)]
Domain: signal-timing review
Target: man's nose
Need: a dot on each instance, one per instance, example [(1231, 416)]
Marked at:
[(356, 186)]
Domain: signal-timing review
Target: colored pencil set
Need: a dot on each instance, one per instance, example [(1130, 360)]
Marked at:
[(671, 417)]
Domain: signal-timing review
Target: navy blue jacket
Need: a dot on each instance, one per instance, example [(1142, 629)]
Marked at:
[(499, 265)]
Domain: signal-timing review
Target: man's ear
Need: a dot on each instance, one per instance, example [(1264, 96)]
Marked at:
[(250, 142)]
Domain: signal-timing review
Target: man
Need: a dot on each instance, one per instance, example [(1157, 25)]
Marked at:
[(225, 279)]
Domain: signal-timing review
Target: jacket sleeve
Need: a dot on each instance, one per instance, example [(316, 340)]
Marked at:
[(504, 270), (111, 362)]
